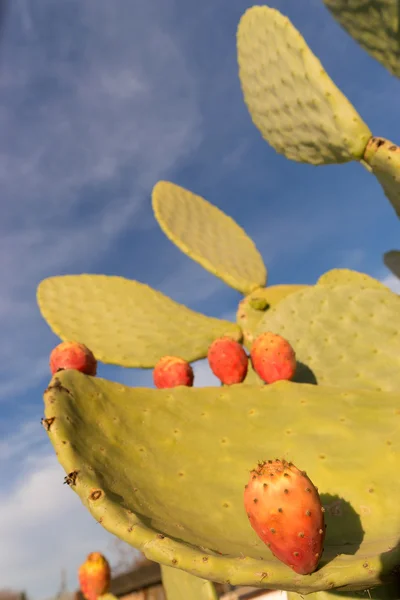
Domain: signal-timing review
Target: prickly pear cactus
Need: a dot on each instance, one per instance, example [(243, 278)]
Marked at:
[(253, 307), (346, 276), (138, 457), (291, 99), (182, 215), (384, 159), (295, 105), (126, 322), (374, 25), (346, 335), (165, 469)]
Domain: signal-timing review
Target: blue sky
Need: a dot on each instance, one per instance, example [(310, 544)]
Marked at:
[(98, 101)]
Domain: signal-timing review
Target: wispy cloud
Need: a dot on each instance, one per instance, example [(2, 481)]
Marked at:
[(392, 282), (97, 103), (44, 529)]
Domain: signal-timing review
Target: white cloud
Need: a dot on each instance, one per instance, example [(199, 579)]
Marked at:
[(43, 524), (45, 528), (96, 106), (392, 282), (203, 376)]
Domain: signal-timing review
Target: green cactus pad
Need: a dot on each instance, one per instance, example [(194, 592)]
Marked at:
[(125, 322), (179, 585), (138, 457), (384, 159), (375, 25), (253, 307), (392, 261), (345, 276), (208, 236), (347, 335), (292, 101)]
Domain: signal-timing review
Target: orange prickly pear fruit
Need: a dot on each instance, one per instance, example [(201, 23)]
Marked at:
[(285, 511), (73, 355), (228, 360), (272, 357), (94, 576), (171, 371)]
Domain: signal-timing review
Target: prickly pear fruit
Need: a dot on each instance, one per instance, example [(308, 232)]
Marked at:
[(73, 355), (228, 360), (171, 371), (272, 357), (284, 509), (94, 576)]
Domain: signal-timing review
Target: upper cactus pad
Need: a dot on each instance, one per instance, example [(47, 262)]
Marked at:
[(345, 276), (392, 261), (375, 25), (384, 159), (138, 457), (253, 307), (348, 335), (291, 99), (125, 322), (208, 236)]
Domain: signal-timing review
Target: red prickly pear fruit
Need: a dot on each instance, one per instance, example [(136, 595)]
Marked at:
[(272, 357), (171, 371), (94, 576), (228, 361), (285, 511), (73, 355)]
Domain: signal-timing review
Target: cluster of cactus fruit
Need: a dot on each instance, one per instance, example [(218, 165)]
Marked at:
[(272, 358), (164, 469)]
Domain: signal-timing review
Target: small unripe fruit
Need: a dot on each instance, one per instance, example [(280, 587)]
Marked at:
[(94, 576), (273, 358), (73, 355), (228, 360), (171, 371)]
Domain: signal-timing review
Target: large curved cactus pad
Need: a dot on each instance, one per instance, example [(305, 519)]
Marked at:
[(125, 322), (384, 159), (138, 457), (348, 335), (208, 236), (179, 585), (392, 261), (375, 25), (253, 307), (291, 99)]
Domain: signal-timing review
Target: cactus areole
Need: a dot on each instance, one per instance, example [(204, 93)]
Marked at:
[(284, 509)]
